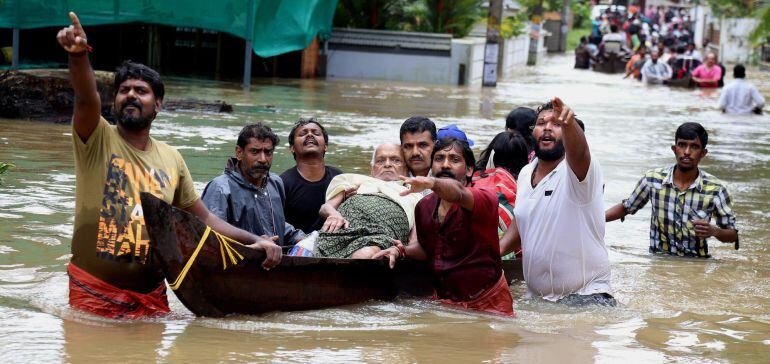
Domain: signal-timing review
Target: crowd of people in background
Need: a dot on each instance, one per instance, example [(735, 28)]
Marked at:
[(658, 48)]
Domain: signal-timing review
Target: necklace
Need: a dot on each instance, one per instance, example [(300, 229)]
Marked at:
[(265, 191)]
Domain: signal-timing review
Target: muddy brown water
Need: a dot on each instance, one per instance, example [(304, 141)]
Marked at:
[(672, 310)]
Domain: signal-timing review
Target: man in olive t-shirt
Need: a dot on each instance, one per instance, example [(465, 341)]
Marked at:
[(111, 271)]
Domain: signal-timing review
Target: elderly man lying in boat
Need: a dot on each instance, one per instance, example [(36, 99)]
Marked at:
[(364, 214)]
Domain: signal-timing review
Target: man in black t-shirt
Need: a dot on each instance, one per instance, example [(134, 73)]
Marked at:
[(305, 184)]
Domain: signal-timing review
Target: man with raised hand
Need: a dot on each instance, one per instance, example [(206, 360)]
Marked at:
[(456, 232), (112, 273), (559, 215)]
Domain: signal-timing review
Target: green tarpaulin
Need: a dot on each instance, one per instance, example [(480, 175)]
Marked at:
[(273, 26)]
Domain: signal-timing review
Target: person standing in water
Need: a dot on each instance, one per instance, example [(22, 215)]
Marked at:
[(684, 199), (111, 272)]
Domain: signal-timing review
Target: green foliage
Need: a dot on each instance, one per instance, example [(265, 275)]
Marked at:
[(4, 167), (582, 13), (512, 26), (547, 5), (731, 8), (437, 16), (370, 14), (762, 32), (574, 34), (453, 16)]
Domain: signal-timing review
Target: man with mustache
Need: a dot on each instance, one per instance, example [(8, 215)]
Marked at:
[(456, 232), (559, 215), (247, 195), (684, 199), (307, 181), (112, 272), (418, 135)]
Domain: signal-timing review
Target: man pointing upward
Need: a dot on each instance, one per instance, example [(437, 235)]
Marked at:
[(112, 272)]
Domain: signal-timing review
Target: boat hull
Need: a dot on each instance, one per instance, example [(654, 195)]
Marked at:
[(613, 64), (297, 283)]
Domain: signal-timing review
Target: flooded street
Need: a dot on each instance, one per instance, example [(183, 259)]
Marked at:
[(671, 309)]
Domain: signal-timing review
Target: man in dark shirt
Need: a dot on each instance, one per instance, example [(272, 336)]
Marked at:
[(305, 184), (457, 233), (247, 195)]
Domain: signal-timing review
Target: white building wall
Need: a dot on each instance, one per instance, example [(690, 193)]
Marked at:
[(734, 43), (516, 51), (388, 66), (470, 52)]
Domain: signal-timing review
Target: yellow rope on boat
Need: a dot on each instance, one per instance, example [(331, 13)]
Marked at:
[(225, 248)]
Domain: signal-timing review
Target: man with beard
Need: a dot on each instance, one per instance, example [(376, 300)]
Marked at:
[(655, 71), (112, 272), (418, 135), (559, 215), (306, 183), (684, 199), (456, 229), (247, 195)]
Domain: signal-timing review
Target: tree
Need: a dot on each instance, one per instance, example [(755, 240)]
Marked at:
[(762, 32), (455, 17)]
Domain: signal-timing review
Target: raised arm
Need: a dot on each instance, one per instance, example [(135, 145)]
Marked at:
[(447, 189), (88, 105), (575, 144), (264, 243)]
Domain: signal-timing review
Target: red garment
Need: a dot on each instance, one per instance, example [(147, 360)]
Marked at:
[(93, 295), (464, 250), (495, 300), (505, 185)]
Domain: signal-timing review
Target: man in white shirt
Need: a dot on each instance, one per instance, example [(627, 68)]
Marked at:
[(614, 36), (740, 97), (655, 71), (559, 215)]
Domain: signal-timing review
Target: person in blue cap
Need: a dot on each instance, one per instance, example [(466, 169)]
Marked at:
[(452, 131)]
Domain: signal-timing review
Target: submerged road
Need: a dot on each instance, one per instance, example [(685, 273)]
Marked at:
[(672, 309)]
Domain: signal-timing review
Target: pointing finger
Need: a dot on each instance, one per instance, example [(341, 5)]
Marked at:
[(75, 21), (557, 102)]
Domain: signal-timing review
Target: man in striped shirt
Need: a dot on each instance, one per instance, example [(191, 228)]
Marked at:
[(684, 200)]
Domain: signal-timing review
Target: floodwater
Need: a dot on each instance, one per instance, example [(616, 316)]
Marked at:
[(672, 309)]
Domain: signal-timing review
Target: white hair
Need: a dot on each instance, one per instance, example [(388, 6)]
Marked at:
[(374, 152)]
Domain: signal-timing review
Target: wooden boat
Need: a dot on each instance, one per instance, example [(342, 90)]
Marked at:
[(217, 282), (684, 82), (615, 63)]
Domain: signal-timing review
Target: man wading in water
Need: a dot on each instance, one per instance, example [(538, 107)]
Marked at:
[(559, 215), (111, 272), (684, 198), (457, 233)]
